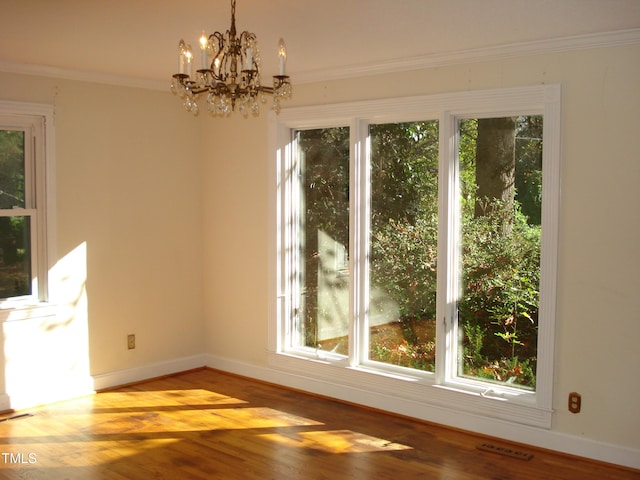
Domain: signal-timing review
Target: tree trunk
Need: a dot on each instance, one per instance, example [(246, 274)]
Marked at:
[(495, 164)]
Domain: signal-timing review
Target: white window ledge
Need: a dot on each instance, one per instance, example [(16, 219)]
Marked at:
[(19, 309), (415, 392)]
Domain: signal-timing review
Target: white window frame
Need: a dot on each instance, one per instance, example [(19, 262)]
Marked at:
[(443, 389), (36, 120)]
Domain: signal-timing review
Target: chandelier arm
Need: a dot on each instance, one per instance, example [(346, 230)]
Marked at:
[(217, 42), (249, 58)]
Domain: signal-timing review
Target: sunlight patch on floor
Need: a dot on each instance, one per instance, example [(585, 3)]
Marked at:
[(162, 398), (101, 426), (335, 441)]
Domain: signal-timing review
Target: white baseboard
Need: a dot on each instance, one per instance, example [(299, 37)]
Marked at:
[(538, 437), (144, 372)]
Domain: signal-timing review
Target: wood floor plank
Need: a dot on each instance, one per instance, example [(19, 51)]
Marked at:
[(209, 425)]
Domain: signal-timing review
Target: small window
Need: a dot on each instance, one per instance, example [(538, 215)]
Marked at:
[(23, 242)]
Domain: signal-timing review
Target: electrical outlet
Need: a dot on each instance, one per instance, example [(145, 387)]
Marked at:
[(131, 342), (575, 402)]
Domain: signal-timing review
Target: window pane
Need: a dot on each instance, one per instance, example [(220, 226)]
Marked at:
[(15, 256), (323, 312), (11, 169), (501, 193), (403, 244)]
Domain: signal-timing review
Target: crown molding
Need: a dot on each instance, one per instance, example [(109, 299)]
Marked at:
[(538, 47), (81, 76), (483, 54)]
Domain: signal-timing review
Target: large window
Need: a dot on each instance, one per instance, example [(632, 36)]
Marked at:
[(417, 239), (23, 222)]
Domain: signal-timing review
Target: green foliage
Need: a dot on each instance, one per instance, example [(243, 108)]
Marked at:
[(500, 297), (404, 237), (404, 217), (498, 306), (326, 182), (409, 344), (405, 265), (15, 271), (404, 171), (529, 167), (11, 169)]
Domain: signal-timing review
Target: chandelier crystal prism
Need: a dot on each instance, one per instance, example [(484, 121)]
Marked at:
[(229, 75)]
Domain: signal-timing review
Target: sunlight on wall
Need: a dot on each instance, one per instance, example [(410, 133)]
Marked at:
[(333, 293), (46, 352)]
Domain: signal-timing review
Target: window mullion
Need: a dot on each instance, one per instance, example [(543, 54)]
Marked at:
[(287, 283), (446, 326), (359, 200), (36, 269), (35, 197), (17, 212), (295, 216), (29, 168)]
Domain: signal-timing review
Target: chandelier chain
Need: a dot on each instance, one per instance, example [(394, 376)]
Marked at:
[(233, 17)]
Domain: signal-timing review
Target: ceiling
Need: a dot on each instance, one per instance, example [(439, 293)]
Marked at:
[(138, 38)]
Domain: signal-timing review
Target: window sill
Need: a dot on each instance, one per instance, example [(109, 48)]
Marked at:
[(417, 392), (25, 309)]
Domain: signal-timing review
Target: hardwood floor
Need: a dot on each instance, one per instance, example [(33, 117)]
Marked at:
[(205, 424)]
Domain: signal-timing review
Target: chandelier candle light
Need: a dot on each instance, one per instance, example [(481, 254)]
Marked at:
[(232, 77)]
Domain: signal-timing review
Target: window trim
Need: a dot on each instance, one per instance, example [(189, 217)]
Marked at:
[(40, 116), (442, 389)]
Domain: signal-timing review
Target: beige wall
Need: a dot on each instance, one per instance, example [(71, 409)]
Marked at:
[(128, 194), (598, 325), (235, 236)]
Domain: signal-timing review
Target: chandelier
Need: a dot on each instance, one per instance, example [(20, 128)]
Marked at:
[(229, 75)]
